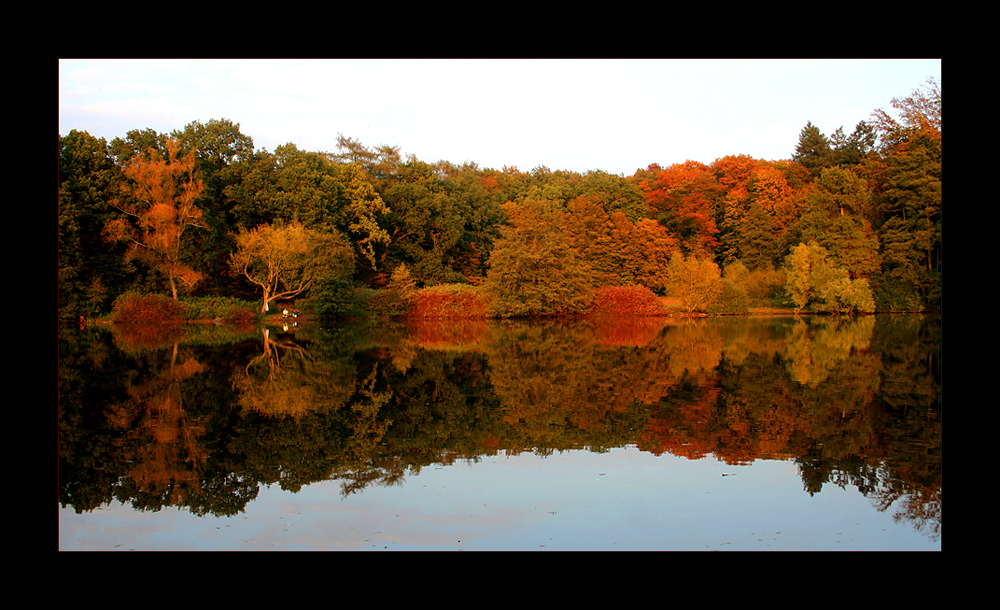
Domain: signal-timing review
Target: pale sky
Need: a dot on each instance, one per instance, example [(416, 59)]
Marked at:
[(614, 115)]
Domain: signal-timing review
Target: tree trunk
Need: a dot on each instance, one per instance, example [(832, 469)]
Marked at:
[(263, 306)]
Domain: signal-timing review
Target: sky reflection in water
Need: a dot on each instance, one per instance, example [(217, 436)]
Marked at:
[(623, 499)]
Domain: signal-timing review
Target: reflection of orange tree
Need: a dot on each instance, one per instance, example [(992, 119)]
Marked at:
[(134, 338), (688, 353), (627, 332), (446, 333), (821, 397), (680, 423), (756, 417), (163, 440), (700, 387), (318, 421)]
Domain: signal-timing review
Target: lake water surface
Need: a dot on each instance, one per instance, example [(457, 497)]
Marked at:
[(770, 433)]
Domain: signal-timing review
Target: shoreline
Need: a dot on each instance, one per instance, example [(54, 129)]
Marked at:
[(754, 312)]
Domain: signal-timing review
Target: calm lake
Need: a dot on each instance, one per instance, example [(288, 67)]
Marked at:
[(710, 434)]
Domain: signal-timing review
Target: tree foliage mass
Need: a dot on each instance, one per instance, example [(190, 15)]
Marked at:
[(180, 213)]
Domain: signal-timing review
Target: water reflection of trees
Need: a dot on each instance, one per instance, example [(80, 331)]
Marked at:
[(851, 401), (289, 379)]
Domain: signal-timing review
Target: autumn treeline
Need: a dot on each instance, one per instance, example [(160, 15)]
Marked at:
[(849, 223)]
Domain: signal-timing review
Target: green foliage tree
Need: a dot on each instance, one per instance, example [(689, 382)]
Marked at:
[(813, 150), (219, 148), (534, 271), (285, 259), (841, 294), (314, 189), (614, 193), (905, 173), (544, 184), (758, 238), (849, 151), (380, 164), (425, 225), (442, 218), (733, 299), (836, 220), (478, 196), (218, 144), (871, 199), (90, 274), (137, 142), (910, 210)]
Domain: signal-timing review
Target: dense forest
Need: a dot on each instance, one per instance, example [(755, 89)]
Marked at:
[(851, 222)]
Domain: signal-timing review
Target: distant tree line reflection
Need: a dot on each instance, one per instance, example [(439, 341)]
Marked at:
[(203, 421)]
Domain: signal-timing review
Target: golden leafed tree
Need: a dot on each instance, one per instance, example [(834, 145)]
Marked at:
[(285, 259), (157, 203)]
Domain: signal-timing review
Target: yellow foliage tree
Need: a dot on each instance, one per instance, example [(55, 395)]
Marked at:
[(285, 259), (697, 282)]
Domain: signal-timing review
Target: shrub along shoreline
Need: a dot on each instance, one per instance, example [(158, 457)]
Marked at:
[(447, 301), (464, 301)]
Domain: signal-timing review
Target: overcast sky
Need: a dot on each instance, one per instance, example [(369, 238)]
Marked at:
[(571, 114)]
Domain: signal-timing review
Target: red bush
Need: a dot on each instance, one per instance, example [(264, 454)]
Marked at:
[(618, 301), (146, 309), (450, 301)]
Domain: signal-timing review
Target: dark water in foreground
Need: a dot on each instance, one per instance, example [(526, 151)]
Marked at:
[(646, 434)]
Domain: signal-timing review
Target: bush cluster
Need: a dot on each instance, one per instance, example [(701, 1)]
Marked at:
[(448, 301), (136, 308), (226, 309), (336, 296)]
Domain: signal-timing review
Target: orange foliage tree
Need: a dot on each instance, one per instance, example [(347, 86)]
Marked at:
[(752, 186), (619, 251), (683, 197), (158, 205)]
